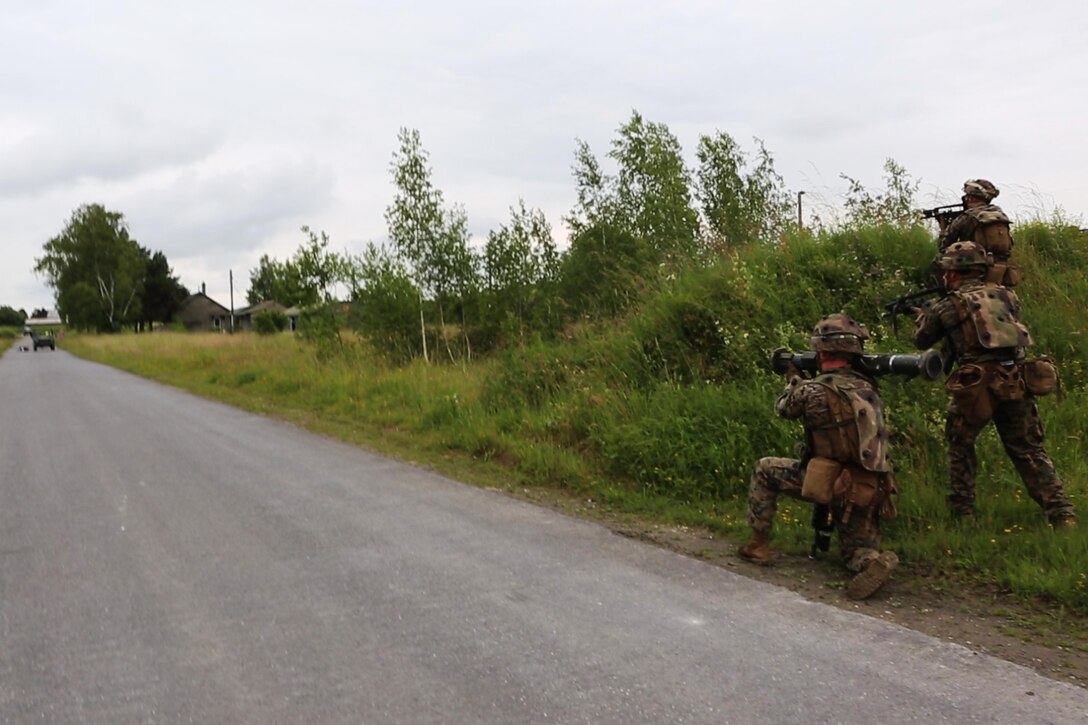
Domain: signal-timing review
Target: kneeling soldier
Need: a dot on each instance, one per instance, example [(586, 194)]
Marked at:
[(845, 464)]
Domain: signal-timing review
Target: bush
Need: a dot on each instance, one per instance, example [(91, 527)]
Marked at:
[(269, 322)]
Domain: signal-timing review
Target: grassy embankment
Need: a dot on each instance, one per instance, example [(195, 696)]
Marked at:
[(663, 414)]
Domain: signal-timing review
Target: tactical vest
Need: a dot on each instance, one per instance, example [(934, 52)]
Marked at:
[(988, 319), (856, 433)]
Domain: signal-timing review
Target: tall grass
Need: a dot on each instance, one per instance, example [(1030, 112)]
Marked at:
[(665, 412)]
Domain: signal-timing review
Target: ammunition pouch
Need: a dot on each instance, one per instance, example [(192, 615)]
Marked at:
[(1040, 376), (859, 488), (818, 485), (1006, 382), (1005, 274), (969, 386)]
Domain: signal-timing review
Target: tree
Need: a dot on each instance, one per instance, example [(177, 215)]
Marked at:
[(318, 271), (595, 192), (432, 243), (39, 314), (279, 281), (385, 304), (739, 205), (11, 317), (455, 274), (96, 269), (653, 187), (163, 293), (520, 259), (721, 188), (415, 216), (895, 205), (318, 268)]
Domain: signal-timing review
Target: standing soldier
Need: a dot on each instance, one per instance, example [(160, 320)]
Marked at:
[(845, 465), (987, 225), (981, 322)]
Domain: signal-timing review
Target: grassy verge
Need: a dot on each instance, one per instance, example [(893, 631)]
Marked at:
[(453, 420)]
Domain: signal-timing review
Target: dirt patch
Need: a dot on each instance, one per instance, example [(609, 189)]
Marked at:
[(983, 619)]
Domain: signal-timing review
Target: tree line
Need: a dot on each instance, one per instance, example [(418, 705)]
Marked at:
[(428, 291)]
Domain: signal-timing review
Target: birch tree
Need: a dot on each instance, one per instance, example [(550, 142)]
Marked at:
[(653, 187), (415, 217), (521, 263)]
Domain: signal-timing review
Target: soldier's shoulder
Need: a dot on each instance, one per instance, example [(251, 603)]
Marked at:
[(988, 213), (942, 303)]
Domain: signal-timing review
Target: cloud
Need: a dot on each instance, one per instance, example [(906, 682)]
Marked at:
[(214, 208), (103, 147), (217, 129)]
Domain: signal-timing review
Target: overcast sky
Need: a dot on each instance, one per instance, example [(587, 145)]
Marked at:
[(218, 128)]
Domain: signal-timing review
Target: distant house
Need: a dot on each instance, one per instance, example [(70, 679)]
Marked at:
[(243, 318), (200, 313)]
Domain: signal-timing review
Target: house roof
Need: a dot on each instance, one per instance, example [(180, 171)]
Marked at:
[(198, 295), (260, 307)]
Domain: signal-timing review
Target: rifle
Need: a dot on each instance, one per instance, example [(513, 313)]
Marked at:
[(929, 364), (905, 305), (943, 214)]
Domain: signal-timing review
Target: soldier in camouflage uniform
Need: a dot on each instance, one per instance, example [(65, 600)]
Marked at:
[(845, 458), (981, 323), (985, 224)]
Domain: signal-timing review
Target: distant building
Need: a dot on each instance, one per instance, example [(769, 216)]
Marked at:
[(200, 313), (243, 318)]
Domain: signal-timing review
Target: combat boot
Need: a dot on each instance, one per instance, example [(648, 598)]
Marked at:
[(869, 580), (1064, 522), (758, 550)]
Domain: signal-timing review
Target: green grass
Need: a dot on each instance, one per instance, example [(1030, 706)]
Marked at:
[(663, 414)]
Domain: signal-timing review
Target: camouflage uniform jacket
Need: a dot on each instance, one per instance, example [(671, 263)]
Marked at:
[(964, 226), (951, 317), (843, 417)]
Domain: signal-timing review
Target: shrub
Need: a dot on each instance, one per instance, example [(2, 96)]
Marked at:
[(269, 322)]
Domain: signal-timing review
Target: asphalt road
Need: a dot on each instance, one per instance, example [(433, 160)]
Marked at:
[(168, 559)]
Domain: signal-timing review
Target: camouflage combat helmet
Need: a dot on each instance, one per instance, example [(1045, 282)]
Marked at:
[(981, 188), (839, 333), (965, 256)]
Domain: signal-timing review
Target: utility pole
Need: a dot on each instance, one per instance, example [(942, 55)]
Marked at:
[(800, 219), (231, 271)]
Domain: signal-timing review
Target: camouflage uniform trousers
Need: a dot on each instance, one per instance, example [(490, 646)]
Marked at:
[(1021, 432), (859, 538)]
